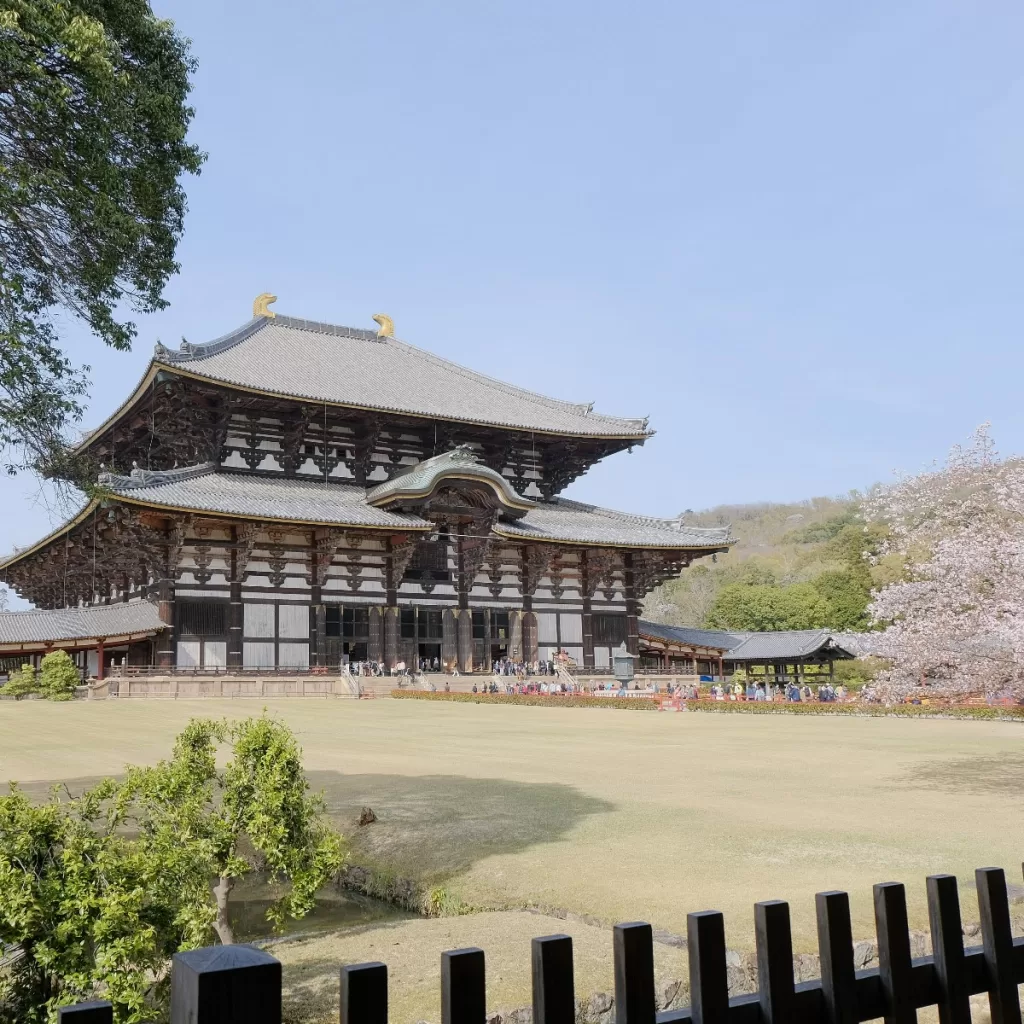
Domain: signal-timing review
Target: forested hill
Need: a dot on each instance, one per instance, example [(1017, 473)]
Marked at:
[(793, 566)]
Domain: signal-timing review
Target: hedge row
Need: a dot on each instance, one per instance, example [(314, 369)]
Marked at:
[(533, 699), (981, 712)]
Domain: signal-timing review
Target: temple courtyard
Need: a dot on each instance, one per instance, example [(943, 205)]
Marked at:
[(616, 815)]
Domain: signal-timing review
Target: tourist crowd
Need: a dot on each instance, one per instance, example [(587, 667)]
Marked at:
[(825, 693)]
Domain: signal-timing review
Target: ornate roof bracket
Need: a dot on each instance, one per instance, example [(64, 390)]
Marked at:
[(325, 547), (400, 552), (535, 559)]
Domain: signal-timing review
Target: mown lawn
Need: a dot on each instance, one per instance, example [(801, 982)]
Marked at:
[(619, 815)]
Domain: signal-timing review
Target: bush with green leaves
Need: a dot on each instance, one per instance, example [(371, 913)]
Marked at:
[(97, 893), (21, 683), (58, 676)]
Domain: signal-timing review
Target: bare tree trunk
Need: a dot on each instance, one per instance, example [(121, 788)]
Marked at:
[(221, 891)]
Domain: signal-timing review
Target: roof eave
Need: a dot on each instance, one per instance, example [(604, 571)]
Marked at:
[(217, 514), (17, 556), (155, 366)]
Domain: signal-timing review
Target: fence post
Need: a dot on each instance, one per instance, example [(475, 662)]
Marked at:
[(463, 987), (894, 964), (87, 1013), (554, 994), (709, 977), (835, 951), (948, 949), (774, 961), (364, 994), (633, 946), (225, 985), (997, 938)]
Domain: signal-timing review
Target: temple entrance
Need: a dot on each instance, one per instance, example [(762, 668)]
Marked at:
[(430, 653), (498, 652), (356, 651)]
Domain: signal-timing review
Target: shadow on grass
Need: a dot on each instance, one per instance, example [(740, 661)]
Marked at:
[(1000, 774), (431, 827)]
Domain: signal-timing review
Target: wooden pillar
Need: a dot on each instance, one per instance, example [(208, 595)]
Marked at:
[(99, 661), (167, 648), (464, 629), (449, 639), (530, 647), (515, 638), (236, 613), (392, 616), (318, 627), (486, 663), (463, 616), (375, 644), (391, 619), (586, 591), (632, 609)]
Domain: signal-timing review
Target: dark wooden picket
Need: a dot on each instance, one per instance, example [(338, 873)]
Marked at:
[(87, 1013), (364, 993), (948, 949), (242, 985), (554, 996), (835, 952)]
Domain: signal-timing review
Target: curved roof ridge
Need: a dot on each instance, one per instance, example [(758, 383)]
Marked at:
[(188, 351), (156, 477)]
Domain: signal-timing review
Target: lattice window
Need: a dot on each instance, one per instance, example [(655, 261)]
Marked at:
[(429, 561), (609, 629), (201, 618)]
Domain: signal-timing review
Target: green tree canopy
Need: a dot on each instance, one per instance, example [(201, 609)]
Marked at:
[(766, 608), (93, 125), (97, 893), (58, 676)]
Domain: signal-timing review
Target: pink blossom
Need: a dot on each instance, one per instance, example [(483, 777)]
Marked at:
[(956, 622)]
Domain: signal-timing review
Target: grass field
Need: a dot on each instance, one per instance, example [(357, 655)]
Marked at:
[(614, 814)]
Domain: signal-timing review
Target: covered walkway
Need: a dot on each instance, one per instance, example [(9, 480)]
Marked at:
[(94, 637)]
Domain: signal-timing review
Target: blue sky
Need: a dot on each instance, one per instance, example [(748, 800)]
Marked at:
[(790, 233)]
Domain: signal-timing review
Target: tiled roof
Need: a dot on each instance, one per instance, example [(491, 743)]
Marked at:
[(744, 646), (303, 359), (572, 521), (203, 489), (685, 635), (78, 623), (791, 643), (246, 496)]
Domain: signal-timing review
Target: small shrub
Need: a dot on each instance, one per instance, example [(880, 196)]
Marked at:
[(59, 677), (22, 683), (441, 903)]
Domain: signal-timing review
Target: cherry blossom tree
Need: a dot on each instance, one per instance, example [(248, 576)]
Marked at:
[(955, 622)]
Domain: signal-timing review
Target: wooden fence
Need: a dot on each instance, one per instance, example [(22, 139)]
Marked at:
[(242, 985)]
